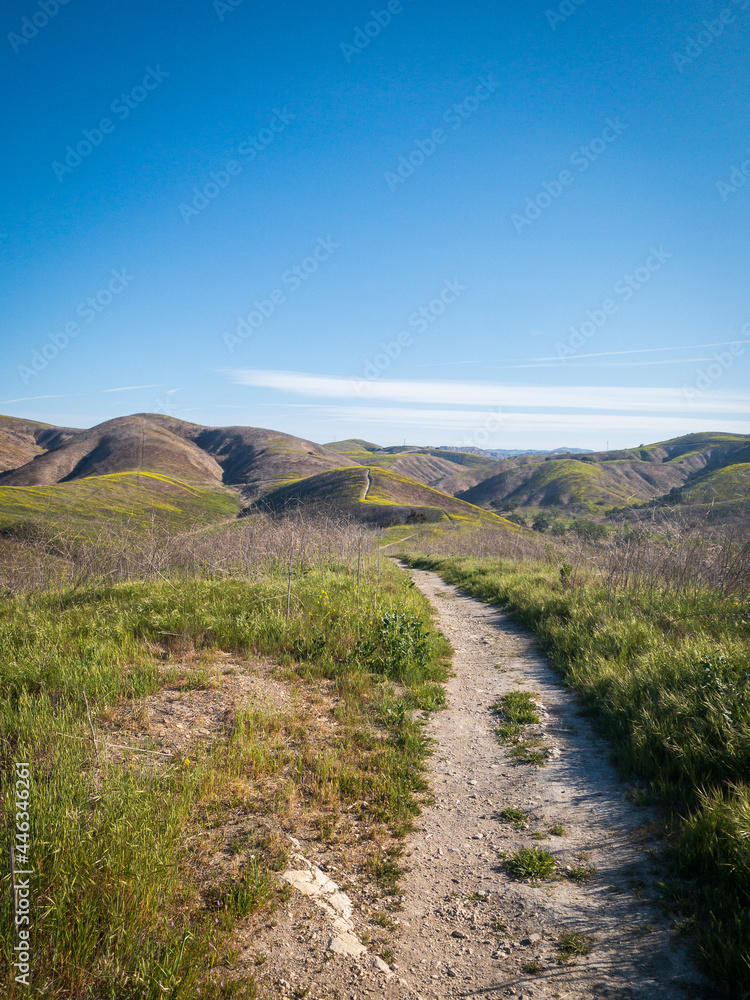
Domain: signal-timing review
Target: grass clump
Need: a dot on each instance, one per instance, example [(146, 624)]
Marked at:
[(516, 710), (531, 863), (572, 944), (580, 873), (516, 817)]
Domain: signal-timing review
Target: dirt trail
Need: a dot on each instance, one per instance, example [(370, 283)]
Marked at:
[(458, 896), (466, 928)]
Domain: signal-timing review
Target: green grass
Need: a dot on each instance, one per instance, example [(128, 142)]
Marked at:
[(531, 863), (665, 676), (85, 504), (517, 817), (118, 910), (516, 710), (573, 944)]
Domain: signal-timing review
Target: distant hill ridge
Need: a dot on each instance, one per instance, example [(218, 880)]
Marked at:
[(291, 471)]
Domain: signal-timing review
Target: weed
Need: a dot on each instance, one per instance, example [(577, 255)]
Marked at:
[(571, 944), (558, 830), (533, 967), (580, 873), (531, 863), (527, 753), (386, 873), (517, 817), (516, 709)]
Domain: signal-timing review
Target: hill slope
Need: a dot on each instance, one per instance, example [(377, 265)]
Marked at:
[(447, 471), (374, 496), (22, 440), (255, 459), (124, 496), (605, 480)]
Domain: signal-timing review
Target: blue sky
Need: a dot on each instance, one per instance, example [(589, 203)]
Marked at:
[(504, 225)]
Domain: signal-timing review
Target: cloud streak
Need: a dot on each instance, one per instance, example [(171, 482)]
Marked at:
[(466, 420), (632, 399)]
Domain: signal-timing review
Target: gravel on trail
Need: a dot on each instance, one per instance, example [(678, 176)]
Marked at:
[(469, 927)]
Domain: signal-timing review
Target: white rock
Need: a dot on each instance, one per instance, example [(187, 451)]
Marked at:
[(348, 945)]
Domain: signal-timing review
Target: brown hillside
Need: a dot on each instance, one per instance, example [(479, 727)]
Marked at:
[(22, 440), (126, 444), (255, 459)]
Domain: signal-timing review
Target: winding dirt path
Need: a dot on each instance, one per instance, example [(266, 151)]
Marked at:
[(468, 928)]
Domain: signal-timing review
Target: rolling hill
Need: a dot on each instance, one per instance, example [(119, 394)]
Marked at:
[(375, 496), (355, 477), (598, 482), (448, 471), (22, 440), (254, 459), (134, 497)]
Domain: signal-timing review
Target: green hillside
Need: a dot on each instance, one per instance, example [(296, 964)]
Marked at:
[(87, 503), (375, 496), (597, 483), (448, 471)]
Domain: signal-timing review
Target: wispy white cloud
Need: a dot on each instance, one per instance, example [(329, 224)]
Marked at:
[(130, 388), (466, 420), (28, 399), (530, 362), (633, 399)]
